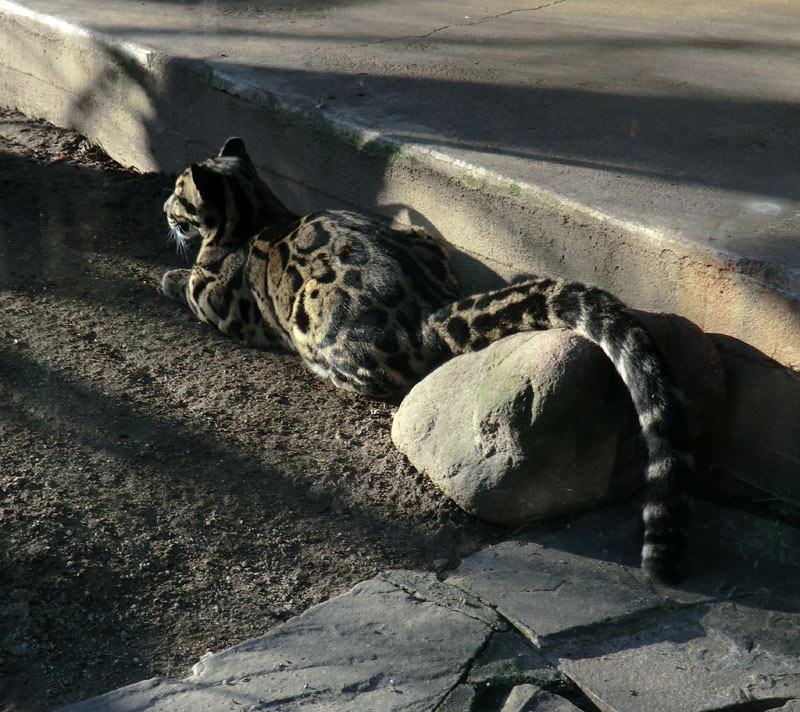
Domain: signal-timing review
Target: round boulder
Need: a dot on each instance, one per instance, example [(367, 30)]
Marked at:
[(537, 424)]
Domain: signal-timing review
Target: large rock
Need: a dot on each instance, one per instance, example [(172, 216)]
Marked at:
[(536, 424), (524, 428)]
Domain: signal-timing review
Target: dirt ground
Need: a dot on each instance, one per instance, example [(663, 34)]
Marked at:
[(164, 491)]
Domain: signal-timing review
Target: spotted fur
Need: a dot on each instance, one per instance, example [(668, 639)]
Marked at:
[(375, 309)]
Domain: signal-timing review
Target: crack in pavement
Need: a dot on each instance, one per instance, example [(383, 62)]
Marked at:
[(462, 679), (462, 24), (426, 587)]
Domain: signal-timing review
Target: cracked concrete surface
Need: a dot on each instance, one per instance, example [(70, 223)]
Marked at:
[(487, 18)]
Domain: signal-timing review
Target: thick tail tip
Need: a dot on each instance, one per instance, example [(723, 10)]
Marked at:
[(663, 569), (666, 520)]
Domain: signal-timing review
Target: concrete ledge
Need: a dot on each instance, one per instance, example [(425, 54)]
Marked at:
[(158, 113)]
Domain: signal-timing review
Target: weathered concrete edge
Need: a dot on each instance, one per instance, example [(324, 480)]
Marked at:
[(510, 226), (729, 286)]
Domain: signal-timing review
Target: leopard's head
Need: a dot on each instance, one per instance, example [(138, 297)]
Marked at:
[(222, 196)]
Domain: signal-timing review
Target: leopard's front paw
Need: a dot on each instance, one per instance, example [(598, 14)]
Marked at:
[(175, 283)]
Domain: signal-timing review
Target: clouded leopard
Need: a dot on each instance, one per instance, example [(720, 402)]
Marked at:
[(375, 309)]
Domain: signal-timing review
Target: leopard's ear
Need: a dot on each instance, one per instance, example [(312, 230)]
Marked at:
[(234, 147), (209, 184)]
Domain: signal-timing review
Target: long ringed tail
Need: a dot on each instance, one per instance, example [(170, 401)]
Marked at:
[(474, 322)]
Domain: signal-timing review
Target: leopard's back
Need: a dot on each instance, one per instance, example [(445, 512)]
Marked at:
[(350, 295)]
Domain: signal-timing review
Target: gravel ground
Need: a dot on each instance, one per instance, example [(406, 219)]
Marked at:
[(164, 491)]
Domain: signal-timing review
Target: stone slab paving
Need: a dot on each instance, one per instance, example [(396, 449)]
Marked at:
[(361, 651), (427, 587), (510, 659), (728, 638), (460, 699), (553, 622), (689, 662), (568, 595), (529, 698)]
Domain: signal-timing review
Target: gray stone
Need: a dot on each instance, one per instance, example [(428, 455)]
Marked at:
[(583, 580), (729, 551), (739, 553), (751, 627), (427, 587), (164, 695), (684, 664), (403, 641), (373, 648), (552, 595), (460, 699), (527, 427), (529, 698), (508, 659)]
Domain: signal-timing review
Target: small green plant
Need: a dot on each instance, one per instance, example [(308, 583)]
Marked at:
[(485, 186), (376, 147), (475, 183)]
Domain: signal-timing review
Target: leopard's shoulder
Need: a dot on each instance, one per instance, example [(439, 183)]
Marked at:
[(338, 250)]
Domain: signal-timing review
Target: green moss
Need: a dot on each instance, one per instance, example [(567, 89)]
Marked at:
[(475, 183), (376, 147), (485, 186)]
